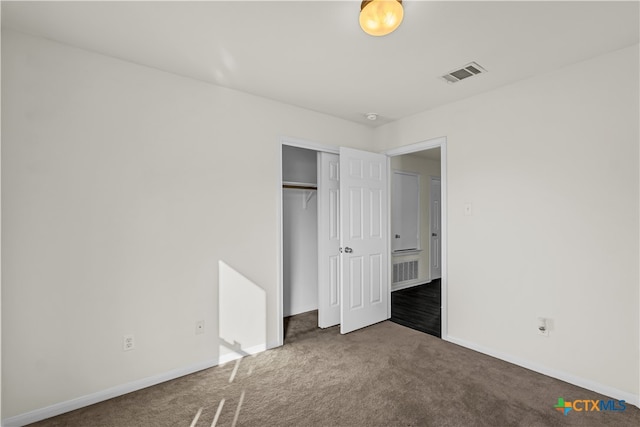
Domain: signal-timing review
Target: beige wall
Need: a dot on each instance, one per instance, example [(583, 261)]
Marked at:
[(550, 165), (123, 190), (426, 168)]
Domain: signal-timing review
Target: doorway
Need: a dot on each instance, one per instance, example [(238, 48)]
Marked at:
[(300, 230), (419, 299), (415, 250), (416, 299), (352, 235)]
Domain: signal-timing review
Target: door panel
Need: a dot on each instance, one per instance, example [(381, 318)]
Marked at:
[(405, 210), (355, 213), (334, 286), (356, 278), (364, 287), (375, 212), (375, 264), (328, 240)]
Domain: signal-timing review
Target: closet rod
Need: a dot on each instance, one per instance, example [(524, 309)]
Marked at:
[(299, 187)]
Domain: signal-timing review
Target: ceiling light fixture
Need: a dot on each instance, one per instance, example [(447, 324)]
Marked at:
[(380, 17)]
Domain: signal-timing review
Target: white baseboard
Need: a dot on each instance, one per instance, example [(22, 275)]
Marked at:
[(229, 357), (606, 390), (110, 393), (300, 310), (406, 285)]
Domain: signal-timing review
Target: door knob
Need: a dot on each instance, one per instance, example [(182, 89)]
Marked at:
[(434, 234), (348, 250)]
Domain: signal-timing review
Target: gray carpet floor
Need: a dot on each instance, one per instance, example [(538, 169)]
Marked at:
[(383, 375)]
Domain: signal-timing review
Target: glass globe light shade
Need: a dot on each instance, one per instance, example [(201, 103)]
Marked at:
[(380, 17)]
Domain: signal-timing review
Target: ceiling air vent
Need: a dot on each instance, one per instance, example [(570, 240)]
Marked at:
[(469, 70)]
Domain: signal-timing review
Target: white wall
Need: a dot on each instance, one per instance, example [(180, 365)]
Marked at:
[(300, 251), (426, 168), (550, 165), (134, 201)]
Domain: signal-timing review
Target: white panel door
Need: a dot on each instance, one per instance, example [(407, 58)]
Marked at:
[(364, 239), (405, 210), (328, 240), (435, 225)]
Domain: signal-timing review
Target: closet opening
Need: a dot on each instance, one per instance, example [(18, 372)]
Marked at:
[(299, 232)]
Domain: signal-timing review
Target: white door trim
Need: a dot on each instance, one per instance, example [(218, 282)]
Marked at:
[(309, 145), (300, 143), (432, 179), (420, 146)]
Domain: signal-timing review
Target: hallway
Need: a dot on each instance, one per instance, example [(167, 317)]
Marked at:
[(419, 307)]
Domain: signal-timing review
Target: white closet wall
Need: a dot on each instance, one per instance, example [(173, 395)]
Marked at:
[(300, 248), (299, 165)]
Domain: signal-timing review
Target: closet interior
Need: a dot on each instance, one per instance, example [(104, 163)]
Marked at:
[(299, 230)]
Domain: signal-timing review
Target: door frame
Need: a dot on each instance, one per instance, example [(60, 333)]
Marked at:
[(299, 143), (439, 142), (431, 179)]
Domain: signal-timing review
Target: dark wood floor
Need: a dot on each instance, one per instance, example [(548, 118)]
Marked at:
[(419, 307)]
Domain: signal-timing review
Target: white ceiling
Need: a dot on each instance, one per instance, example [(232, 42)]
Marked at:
[(314, 54)]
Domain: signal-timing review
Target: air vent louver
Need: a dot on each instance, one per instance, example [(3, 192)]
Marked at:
[(405, 271), (469, 70)]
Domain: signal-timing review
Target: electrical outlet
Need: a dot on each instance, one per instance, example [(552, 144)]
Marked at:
[(200, 327), (543, 326), (128, 343)]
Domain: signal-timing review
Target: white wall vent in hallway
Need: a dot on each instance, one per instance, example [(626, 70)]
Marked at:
[(469, 70), (405, 271)]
